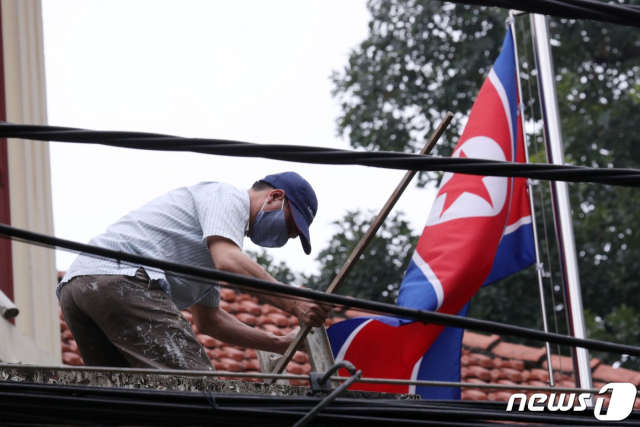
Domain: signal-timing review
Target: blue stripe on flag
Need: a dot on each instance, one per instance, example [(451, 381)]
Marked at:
[(504, 68), (516, 252), (416, 290), (442, 363)]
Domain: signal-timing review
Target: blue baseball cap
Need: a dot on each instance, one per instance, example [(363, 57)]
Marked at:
[(302, 201)]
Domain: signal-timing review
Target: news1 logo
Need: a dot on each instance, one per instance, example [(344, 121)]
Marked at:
[(623, 397)]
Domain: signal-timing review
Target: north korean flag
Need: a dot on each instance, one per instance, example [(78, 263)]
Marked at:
[(474, 231)]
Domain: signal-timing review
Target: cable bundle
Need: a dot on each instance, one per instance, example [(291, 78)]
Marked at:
[(321, 155), (50, 404)]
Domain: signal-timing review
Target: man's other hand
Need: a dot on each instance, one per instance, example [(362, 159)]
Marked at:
[(285, 341), (311, 313)]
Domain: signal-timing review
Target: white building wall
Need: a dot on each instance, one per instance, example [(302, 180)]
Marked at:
[(36, 335)]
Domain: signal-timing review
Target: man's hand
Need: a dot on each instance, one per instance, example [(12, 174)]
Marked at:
[(285, 341), (227, 256), (311, 313)]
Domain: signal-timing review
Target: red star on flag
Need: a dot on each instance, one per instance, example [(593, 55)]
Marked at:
[(460, 184)]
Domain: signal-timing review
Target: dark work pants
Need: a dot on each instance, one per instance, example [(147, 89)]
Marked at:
[(125, 321)]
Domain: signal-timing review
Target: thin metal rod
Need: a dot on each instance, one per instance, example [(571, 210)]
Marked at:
[(548, 271), (327, 400), (560, 197), (363, 243), (530, 196)]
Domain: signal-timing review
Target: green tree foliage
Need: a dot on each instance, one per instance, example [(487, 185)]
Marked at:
[(378, 273), (279, 271), (422, 58)]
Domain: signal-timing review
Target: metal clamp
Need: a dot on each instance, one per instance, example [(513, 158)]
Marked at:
[(355, 375), (320, 380), (510, 20)]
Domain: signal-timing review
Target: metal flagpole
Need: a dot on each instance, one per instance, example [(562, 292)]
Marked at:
[(511, 23), (560, 197)]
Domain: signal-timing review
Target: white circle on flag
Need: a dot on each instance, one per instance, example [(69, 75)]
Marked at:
[(468, 204)]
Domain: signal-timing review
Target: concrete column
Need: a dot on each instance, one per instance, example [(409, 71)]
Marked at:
[(34, 271)]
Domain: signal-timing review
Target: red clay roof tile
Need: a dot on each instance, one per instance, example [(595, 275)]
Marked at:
[(276, 319), (272, 328), (234, 353), (479, 341), (294, 368), (473, 395), (300, 357), (478, 372), (225, 306), (611, 375), (511, 372), (537, 383), (228, 295), (71, 358), (252, 365), (268, 309), (559, 363), (247, 319), (518, 351), (232, 365), (480, 359), (187, 316), (206, 340), (66, 335), (502, 396), (540, 375), (516, 364), (243, 297), (464, 360), (249, 307)]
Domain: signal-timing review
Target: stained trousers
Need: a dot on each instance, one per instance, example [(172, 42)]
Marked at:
[(125, 321)]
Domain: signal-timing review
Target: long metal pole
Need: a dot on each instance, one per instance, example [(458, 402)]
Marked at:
[(543, 307), (282, 362), (560, 197)]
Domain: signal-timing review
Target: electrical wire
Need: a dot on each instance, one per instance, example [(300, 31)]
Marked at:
[(321, 155), (623, 14), (26, 403), (280, 289)]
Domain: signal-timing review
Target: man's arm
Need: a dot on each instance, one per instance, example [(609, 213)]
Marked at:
[(216, 322), (227, 256)]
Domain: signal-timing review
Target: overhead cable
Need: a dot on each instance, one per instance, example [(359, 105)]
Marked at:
[(616, 13), (52, 404), (322, 155), (278, 288)]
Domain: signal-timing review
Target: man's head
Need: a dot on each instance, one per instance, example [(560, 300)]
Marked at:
[(287, 192)]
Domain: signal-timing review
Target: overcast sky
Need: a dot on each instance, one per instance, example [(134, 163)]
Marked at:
[(252, 71)]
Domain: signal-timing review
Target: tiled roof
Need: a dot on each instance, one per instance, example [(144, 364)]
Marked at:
[(485, 359)]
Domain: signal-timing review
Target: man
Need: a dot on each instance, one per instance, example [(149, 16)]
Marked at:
[(128, 315)]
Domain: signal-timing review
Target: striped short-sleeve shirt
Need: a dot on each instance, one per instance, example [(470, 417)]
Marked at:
[(174, 227)]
